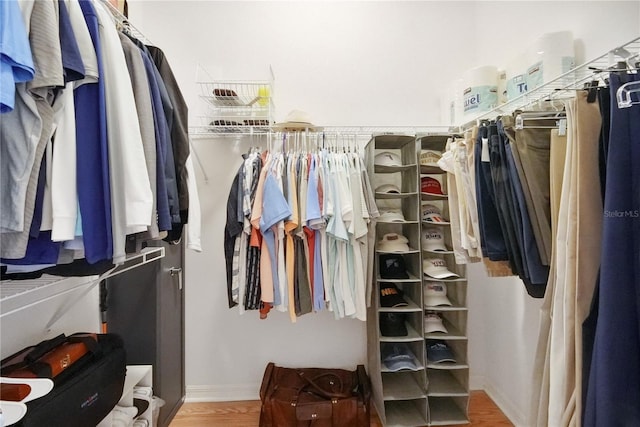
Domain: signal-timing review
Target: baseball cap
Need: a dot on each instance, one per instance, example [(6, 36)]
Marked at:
[(433, 323), (430, 157), (398, 356), (431, 213), (391, 215), (387, 158), (393, 242), (388, 188), (390, 295), (438, 352), (430, 185), (437, 268), (433, 240), (435, 293), (392, 324), (392, 266)]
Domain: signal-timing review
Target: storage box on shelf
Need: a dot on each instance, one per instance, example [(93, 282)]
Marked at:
[(448, 381), (234, 106)]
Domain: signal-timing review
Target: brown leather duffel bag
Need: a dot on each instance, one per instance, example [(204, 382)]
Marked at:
[(314, 397)]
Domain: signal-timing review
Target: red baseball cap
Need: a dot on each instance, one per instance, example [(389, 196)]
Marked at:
[(430, 185)]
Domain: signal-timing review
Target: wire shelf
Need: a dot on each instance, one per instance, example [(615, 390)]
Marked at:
[(364, 132), (17, 294), (234, 106), (565, 85), (385, 130)]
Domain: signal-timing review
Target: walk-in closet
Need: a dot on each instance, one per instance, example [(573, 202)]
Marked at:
[(442, 193)]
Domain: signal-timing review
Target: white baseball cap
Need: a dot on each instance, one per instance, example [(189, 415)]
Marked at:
[(387, 158), (437, 268), (430, 157), (393, 242), (388, 188), (431, 213), (433, 240), (433, 323), (435, 293), (391, 215)]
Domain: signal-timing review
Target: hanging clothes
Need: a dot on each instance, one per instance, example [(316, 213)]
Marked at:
[(33, 106), (179, 134), (15, 54), (309, 227), (463, 214), (533, 150), (83, 157), (575, 264), (535, 271), (614, 383), (93, 177), (540, 384), (492, 239), (144, 109)]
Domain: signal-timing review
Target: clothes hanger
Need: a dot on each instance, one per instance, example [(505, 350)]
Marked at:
[(317, 142), (624, 92), (532, 116), (286, 142)]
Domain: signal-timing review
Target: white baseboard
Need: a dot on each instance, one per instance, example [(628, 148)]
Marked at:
[(515, 415), (226, 393)]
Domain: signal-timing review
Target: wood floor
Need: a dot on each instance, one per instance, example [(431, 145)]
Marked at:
[(482, 412)]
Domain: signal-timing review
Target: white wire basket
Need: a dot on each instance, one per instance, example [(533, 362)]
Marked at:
[(235, 106)]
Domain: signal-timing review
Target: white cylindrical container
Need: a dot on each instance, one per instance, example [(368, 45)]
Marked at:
[(516, 77), (551, 55), (480, 91)]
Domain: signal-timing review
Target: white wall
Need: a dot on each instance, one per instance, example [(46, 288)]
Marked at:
[(352, 63)]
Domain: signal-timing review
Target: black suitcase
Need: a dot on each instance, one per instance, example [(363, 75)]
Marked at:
[(90, 389)]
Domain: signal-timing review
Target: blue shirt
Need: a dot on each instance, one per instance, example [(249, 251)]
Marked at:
[(71, 58), (94, 193), (40, 250), (16, 63), (274, 209)]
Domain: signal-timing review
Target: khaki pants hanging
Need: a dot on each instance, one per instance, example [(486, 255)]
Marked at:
[(574, 268), (540, 399)]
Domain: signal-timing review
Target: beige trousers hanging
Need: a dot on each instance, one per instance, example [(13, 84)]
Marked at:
[(589, 234), (541, 370), (574, 268)]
